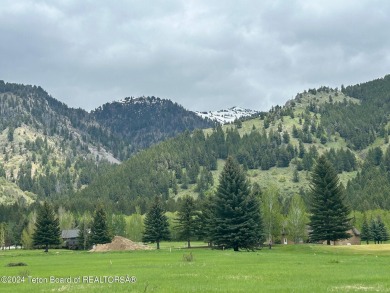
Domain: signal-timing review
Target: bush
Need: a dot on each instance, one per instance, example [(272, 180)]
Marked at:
[(16, 264), (188, 257)]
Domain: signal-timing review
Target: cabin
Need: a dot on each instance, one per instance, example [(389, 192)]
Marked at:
[(69, 238), (353, 240)]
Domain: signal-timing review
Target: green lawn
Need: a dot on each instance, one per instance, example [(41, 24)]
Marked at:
[(301, 268)]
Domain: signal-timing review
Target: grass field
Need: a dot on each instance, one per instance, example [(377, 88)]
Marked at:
[(300, 268)]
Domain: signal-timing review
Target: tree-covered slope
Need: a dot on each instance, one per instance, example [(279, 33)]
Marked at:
[(141, 122), (278, 148), (49, 150)]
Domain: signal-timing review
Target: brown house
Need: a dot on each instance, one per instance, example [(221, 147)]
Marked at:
[(70, 238), (353, 240)]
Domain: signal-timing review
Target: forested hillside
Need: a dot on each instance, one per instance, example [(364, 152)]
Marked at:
[(279, 148), (144, 121), (49, 150)]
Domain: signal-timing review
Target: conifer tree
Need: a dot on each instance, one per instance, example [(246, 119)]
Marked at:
[(384, 235), (187, 221), (237, 222), (47, 228), (206, 219), (100, 232), (365, 234), (375, 231), (156, 224), (378, 230), (329, 215)]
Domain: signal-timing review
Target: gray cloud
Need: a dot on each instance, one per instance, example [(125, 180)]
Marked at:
[(205, 55)]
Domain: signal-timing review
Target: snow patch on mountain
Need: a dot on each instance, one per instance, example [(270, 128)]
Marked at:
[(142, 100), (227, 116)]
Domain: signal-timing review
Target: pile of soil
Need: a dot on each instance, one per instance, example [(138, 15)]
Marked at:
[(120, 243)]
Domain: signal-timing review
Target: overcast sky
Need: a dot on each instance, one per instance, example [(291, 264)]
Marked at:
[(203, 54)]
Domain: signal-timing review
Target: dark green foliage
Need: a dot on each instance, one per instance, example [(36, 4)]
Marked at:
[(206, 219), (295, 177), (365, 233), (187, 220), (341, 160), (368, 117), (147, 120), (100, 232), (204, 182), (2, 171), (156, 224), (47, 229), (370, 187), (378, 231), (237, 219), (329, 215)]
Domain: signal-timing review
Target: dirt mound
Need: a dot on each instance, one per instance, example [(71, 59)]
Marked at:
[(120, 243)]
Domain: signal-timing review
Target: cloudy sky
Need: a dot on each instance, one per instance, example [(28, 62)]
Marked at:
[(203, 54)]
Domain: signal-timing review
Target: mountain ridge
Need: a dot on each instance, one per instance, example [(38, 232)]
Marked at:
[(229, 115), (48, 148)]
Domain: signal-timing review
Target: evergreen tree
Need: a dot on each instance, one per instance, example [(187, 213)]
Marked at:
[(384, 235), (365, 234), (2, 235), (375, 231), (329, 215), (238, 222), (206, 220), (378, 230), (100, 232), (295, 177), (187, 220), (156, 224), (47, 228)]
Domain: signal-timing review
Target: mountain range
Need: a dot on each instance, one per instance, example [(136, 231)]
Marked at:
[(51, 151), (56, 147)]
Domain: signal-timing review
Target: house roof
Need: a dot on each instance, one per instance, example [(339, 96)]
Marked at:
[(66, 234), (355, 231)]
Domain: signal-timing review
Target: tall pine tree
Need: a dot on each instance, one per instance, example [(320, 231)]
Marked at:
[(365, 234), (100, 232), (156, 224), (329, 215), (238, 222), (187, 220), (47, 228)]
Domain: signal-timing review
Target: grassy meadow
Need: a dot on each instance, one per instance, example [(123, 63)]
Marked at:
[(299, 268)]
